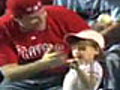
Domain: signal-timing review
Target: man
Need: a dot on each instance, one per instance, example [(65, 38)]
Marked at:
[(27, 32), (112, 31)]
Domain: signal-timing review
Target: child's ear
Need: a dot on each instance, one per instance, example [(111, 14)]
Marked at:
[(97, 52)]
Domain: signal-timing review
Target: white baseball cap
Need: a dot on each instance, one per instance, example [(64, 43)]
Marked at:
[(86, 34)]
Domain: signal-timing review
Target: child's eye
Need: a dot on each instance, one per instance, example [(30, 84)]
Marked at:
[(81, 48)]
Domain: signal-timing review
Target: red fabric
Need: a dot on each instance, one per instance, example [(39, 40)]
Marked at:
[(18, 7), (31, 46), (7, 55), (67, 20)]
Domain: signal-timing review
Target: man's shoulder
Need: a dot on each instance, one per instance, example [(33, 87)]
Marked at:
[(59, 10), (5, 19), (53, 7), (4, 24), (63, 14)]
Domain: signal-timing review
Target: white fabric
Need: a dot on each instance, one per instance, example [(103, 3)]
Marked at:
[(90, 35), (73, 82)]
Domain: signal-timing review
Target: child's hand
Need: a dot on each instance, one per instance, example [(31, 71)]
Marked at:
[(72, 63)]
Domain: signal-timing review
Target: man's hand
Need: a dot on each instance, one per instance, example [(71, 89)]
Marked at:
[(53, 57)]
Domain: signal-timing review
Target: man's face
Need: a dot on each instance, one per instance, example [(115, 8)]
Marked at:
[(32, 21)]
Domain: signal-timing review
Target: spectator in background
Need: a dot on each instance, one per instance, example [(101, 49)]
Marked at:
[(112, 60), (112, 57), (113, 30), (89, 9)]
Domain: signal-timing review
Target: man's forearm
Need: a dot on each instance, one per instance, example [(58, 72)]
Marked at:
[(18, 72)]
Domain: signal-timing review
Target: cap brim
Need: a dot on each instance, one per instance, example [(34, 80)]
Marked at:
[(72, 39)]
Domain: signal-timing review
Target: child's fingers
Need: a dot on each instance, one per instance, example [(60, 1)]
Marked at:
[(70, 61)]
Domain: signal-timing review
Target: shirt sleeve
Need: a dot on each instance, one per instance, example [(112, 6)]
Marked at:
[(67, 20), (7, 55), (7, 52)]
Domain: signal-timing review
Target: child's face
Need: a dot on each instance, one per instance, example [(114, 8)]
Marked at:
[(84, 52)]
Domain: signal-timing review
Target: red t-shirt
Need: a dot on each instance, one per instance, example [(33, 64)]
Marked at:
[(19, 47)]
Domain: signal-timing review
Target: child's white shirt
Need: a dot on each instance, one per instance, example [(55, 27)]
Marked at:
[(72, 80)]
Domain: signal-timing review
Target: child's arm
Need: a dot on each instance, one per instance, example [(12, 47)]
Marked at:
[(89, 81)]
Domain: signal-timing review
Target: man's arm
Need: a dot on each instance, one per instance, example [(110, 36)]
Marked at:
[(14, 72)]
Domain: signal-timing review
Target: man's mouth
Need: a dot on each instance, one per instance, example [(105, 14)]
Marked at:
[(34, 21)]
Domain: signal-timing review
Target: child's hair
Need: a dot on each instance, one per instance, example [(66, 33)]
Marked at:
[(83, 43)]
